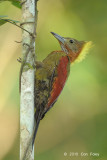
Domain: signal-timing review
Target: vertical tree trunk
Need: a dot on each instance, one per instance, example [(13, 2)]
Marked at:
[(29, 21)]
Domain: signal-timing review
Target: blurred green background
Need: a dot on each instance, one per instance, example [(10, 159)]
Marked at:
[(78, 120)]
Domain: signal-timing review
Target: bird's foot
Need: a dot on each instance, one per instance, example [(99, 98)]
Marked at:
[(19, 60)]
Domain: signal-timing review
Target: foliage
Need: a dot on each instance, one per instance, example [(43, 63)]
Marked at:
[(16, 3), (3, 20)]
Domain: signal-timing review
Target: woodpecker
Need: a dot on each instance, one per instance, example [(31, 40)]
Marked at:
[(52, 73)]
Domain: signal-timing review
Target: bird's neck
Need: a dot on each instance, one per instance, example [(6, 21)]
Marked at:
[(64, 49)]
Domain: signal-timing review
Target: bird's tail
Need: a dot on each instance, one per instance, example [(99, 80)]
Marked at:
[(36, 125)]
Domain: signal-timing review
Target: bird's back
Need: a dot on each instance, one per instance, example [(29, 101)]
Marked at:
[(50, 78)]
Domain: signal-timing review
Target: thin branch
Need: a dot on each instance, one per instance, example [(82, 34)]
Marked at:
[(19, 26)]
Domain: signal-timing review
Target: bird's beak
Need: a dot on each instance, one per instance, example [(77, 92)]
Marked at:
[(58, 37)]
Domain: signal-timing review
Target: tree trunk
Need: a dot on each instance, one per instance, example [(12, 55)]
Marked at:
[(29, 21)]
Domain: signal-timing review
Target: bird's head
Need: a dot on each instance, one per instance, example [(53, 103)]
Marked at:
[(76, 50)]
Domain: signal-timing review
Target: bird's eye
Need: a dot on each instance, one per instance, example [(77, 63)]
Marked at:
[(71, 41)]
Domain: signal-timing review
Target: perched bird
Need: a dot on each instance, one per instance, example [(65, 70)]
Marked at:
[(51, 74)]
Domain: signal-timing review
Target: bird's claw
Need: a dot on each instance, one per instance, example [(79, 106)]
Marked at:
[(19, 60)]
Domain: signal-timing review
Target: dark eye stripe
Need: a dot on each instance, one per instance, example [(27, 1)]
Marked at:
[(71, 41)]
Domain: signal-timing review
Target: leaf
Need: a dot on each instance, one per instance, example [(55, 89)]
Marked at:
[(4, 20), (2, 16), (16, 3), (11, 20), (1, 20)]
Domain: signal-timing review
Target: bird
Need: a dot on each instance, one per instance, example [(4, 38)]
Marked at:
[(52, 73)]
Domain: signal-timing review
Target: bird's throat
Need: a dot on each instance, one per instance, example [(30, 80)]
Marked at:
[(64, 49)]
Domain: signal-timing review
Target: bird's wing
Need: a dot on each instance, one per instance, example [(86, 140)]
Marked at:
[(58, 78), (43, 87), (39, 64)]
